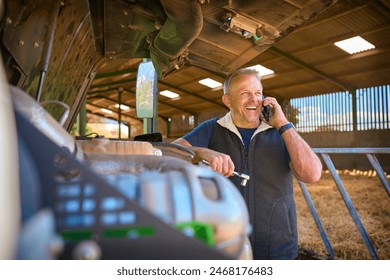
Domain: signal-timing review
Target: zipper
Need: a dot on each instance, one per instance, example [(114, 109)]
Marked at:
[(245, 170), (250, 188)]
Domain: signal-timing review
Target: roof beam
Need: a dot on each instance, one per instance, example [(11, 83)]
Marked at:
[(371, 30), (109, 99), (192, 94), (100, 115), (123, 114), (311, 68), (97, 93), (346, 12), (167, 104)]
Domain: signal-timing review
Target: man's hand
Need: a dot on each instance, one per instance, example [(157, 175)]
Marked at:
[(219, 162), (278, 117)]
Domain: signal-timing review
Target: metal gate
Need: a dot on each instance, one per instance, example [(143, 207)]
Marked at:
[(370, 153)]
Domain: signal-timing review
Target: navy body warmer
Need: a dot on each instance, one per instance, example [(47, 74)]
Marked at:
[(269, 192)]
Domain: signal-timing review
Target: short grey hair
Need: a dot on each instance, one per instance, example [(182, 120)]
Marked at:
[(241, 71)]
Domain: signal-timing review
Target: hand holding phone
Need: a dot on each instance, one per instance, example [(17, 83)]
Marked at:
[(266, 112)]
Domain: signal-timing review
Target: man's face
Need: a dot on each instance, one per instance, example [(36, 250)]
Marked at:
[(244, 100)]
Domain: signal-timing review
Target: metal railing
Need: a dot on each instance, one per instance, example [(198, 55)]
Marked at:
[(358, 110), (370, 153)]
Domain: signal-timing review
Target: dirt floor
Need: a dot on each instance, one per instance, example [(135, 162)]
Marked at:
[(371, 203)]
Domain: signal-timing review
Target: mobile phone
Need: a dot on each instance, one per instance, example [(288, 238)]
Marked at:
[(266, 112)]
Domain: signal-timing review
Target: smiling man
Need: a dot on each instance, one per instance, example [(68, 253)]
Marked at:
[(270, 152)]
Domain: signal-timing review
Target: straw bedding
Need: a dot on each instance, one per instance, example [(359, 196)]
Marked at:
[(371, 203)]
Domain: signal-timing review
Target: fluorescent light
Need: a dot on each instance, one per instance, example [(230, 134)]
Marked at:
[(210, 83), (354, 45), (264, 71), (106, 111), (123, 107), (169, 93)]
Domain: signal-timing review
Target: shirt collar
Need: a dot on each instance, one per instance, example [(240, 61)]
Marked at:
[(227, 122)]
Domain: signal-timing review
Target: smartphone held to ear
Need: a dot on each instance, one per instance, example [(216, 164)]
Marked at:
[(266, 112)]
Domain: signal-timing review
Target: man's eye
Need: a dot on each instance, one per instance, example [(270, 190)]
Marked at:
[(245, 93)]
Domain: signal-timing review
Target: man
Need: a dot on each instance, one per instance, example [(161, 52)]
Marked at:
[(270, 152)]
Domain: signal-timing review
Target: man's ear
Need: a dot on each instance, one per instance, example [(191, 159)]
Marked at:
[(226, 100)]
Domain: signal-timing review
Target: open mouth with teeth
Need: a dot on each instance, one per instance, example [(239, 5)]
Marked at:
[(253, 108)]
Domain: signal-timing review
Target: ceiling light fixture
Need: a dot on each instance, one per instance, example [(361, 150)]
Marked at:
[(264, 71), (169, 94), (210, 83), (354, 45), (106, 111), (123, 107)]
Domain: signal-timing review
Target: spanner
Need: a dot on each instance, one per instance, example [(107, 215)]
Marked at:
[(244, 177)]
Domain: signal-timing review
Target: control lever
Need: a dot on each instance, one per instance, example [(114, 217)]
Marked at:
[(244, 177)]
